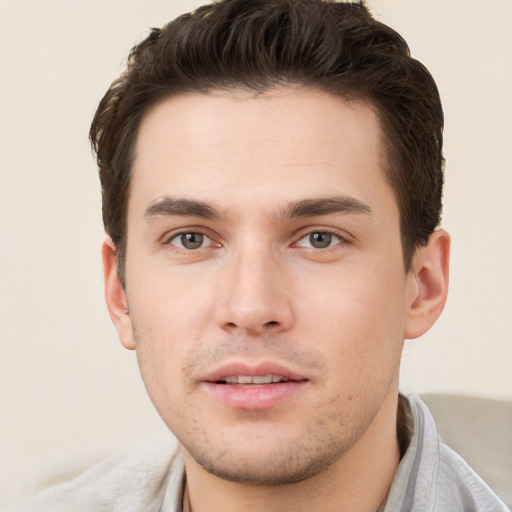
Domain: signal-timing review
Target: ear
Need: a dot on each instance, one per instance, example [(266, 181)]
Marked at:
[(115, 295), (428, 284)]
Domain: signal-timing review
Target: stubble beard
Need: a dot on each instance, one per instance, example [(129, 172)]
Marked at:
[(298, 460), (324, 441)]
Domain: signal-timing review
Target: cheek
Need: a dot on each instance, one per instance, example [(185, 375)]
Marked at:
[(358, 321), (171, 302), (367, 302), (163, 333), (161, 357), (169, 317)]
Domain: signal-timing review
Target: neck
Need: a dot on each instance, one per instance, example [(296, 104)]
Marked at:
[(359, 480)]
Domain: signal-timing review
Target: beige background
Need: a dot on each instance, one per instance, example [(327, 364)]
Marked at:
[(68, 391)]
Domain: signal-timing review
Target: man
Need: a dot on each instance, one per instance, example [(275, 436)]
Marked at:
[(272, 176)]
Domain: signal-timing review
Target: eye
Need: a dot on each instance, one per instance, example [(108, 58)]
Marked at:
[(319, 240), (190, 240)]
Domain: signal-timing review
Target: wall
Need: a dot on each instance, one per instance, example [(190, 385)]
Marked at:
[(67, 388)]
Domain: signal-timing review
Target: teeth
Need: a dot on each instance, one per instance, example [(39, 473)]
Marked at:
[(256, 379), (263, 379)]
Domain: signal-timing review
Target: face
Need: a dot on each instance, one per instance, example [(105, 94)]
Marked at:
[(265, 281)]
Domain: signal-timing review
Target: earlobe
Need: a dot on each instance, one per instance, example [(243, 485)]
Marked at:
[(115, 296), (428, 284)]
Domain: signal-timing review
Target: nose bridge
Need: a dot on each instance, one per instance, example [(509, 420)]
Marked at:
[(254, 298)]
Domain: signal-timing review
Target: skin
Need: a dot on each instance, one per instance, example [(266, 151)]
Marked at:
[(252, 285)]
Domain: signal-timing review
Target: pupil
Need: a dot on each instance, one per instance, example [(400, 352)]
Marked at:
[(320, 240), (192, 240)]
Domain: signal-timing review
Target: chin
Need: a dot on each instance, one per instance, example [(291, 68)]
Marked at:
[(257, 474), (277, 465)]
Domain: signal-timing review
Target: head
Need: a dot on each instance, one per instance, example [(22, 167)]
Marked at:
[(258, 45), (272, 176)]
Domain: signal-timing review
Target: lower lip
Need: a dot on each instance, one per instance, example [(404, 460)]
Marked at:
[(254, 397)]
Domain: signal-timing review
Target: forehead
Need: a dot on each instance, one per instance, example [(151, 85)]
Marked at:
[(278, 145)]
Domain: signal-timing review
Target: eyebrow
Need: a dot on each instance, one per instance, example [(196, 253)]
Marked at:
[(183, 207), (326, 206), (169, 206)]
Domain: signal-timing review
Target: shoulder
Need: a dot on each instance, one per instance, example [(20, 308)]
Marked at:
[(459, 484), (130, 482), (431, 476)]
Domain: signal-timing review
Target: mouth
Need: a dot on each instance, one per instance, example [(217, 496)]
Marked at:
[(263, 386)]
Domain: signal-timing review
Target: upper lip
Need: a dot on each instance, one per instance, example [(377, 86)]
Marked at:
[(252, 370)]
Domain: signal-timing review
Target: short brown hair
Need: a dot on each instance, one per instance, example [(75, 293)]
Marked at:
[(260, 44)]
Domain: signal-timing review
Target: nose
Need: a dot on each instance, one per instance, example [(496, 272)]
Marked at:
[(254, 294)]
